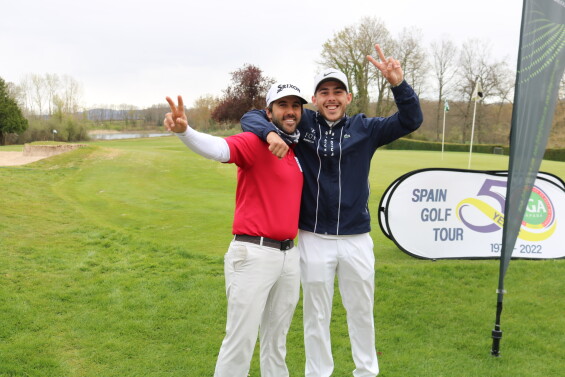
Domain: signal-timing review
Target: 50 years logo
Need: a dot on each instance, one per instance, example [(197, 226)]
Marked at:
[(538, 223)]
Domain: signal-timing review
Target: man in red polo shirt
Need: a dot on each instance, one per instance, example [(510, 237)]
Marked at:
[(261, 265)]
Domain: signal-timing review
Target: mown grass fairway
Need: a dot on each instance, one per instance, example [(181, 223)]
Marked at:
[(111, 264)]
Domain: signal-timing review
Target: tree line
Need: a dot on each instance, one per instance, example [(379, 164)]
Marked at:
[(440, 72)]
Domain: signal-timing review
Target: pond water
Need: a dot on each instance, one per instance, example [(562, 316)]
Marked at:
[(127, 135)]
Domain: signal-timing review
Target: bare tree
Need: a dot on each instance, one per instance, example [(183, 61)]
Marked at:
[(128, 113), (200, 115), (16, 93), (156, 113), (444, 54), (58, 109), (559, 117), (475, 67), (38, 92), (24, 95), (503, 87), (348, 50), (412, 57), (71, 94), (52, 84)]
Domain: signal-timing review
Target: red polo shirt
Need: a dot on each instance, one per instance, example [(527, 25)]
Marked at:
[(267, 200)]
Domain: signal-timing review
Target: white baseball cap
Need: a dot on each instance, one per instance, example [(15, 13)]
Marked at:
[(330, 74), (280, 90)]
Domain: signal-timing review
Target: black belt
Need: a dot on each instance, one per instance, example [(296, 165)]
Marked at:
[(264, 241)]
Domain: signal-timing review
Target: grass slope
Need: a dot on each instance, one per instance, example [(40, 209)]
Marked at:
[(111, 264)]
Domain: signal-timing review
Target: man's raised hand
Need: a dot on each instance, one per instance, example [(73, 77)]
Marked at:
[(175, 121), (390, 68)]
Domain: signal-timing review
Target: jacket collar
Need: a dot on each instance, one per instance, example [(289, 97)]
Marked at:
[(339, 123)]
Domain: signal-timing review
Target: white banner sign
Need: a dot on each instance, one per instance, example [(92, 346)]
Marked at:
[(443, 213)]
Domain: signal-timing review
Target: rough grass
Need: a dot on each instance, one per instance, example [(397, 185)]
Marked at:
[(111, 264)]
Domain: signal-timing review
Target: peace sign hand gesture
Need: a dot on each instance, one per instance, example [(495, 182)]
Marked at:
[(175, 121), (390, 68)]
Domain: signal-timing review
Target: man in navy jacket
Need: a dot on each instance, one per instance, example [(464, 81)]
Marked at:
[(335, 151)]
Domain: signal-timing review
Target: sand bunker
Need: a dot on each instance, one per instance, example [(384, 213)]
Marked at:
[(32, 153)]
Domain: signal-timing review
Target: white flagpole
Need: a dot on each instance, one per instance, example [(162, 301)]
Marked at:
[(477, 95), (445, 109), (443, 133), (472, 135)]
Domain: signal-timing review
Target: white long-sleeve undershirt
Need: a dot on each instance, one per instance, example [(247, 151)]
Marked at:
[(208, 146)]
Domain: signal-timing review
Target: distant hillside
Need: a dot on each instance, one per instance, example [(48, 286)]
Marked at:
[(98, 115)]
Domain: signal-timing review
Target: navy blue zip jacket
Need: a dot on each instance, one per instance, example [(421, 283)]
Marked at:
[(336, 161)]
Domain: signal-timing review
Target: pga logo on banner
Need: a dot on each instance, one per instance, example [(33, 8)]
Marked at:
[(445, 213)]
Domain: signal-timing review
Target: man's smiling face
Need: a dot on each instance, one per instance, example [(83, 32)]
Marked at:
[(331, 99)]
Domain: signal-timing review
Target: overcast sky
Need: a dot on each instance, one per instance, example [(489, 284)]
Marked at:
[(138, 52)]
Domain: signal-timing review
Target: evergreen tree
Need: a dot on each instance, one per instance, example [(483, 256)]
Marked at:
[(11, 117)]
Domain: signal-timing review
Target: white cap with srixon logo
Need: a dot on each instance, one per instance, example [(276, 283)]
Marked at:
[(330, 74), (280, 90)]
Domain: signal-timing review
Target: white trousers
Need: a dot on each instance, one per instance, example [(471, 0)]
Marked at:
[(262, 289), (352, 259)]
